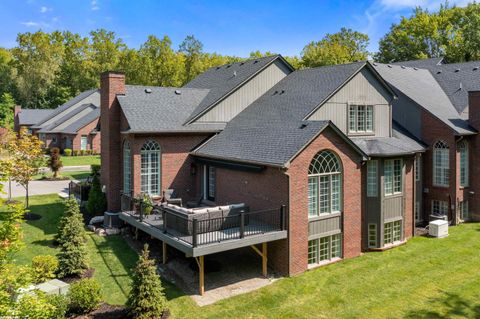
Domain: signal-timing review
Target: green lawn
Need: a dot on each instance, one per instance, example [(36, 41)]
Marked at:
[(71, 175), (426, 278), (80, 160)]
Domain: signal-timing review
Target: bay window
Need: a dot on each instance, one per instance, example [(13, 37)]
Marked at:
[(393, 177)]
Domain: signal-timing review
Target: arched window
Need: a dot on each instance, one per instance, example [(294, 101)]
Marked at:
[(127, 168), (324, 184), (463, 149), (441, 164), (150, 168)]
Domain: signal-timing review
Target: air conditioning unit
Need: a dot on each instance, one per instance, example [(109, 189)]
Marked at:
[(438, 228)]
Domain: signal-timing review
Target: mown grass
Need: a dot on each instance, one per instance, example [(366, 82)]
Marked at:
[(426, 278), (80, 160), (71, 175)]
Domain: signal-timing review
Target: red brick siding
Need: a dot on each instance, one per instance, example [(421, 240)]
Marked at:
[(409, 189), (352, 199), (474, 120), (95, 138)]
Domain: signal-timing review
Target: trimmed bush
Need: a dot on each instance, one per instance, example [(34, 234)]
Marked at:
[(34, 306), (46, 150), (76, 152), (73, 242), (146, 299), (54, 162), (61, 303), (85, 296), (44, 268), (67, 152), (97, 201)]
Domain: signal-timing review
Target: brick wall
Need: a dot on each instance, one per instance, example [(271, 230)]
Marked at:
[(92, 138), (474, 120), (409, 217), (16, 120), (352, 199)]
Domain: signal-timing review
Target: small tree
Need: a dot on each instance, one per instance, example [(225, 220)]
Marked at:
[(54, 162), (97, 202), (146, 299), (26, 155), (73, 242), (10, 231)]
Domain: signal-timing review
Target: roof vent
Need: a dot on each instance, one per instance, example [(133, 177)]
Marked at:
[(148, 90), (389, 65), (218, 67), (178, 92), (242, 63), (283, 91), (403, 66), (234, 73), (228, 66), (276, 92), (475, 68), (303, 125), (457, 70), (461, 86), (439, 71), (415, 69), (374, 64), (255, 61)]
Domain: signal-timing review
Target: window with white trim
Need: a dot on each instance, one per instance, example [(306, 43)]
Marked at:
[(150, 168), (392, 232), (418, 168), (360, 118), (372, 235), (127, 167), (441, 164), (372, 178), (464, 211), (324, 249), (463, 150), (324, 184), (392, 171), (439, 208), (83, 142)]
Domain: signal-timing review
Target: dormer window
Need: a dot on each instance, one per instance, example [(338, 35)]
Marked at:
[(360, 119)]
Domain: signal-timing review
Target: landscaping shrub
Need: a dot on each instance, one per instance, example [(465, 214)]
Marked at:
[(83, 152), (76, 152), (146, 299), (61, 303), (67, 152), (97, 201), (85, 296), (72, 238), (54, 162), (88, 152), (46, 150), (44, 268), (34, 306)]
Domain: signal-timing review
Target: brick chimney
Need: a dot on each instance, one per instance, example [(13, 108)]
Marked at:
[(16, 120), (474, 121), (111, 85)]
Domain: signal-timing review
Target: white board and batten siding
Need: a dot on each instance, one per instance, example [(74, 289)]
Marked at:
[(246, 94), (363, 89)]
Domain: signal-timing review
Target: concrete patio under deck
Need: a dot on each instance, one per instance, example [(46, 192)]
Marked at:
[(153, 225)]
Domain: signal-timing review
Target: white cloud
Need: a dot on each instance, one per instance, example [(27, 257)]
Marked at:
[(44, 9), (30, 24), (94, 5)]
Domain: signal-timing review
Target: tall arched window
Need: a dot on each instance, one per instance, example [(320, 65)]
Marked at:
[(324, 184), (463, 149), (441, 164), (150, 168), (127, 168)]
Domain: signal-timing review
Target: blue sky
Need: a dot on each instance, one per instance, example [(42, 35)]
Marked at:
[(225, 27)]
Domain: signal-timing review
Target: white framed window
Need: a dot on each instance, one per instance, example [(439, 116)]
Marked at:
[(418, 168), (324, 249), (83, 142), (127, 167), (360, 118), (464, 211), (150, 168), (439, 208), (463, 150), (392, 172), (372, 235), (42, 137), (324, 184), (441, 164), (392, 232), (418, 214), (372, 178)]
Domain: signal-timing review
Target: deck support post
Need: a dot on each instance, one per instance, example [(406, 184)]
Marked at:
[(164, 252), (262, 254), (201, 273)]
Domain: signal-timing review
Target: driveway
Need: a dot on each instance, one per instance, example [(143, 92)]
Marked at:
[(37, 188)]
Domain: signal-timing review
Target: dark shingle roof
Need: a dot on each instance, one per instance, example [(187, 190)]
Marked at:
[(401, 143), (423, 63), (272, 130), (162, 110), (420, 86), (75, 126), (73, 121), (32, 116), (224, 79)]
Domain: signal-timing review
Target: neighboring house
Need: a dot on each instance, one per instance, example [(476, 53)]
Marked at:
[(433, 105), (72, 125), (25, 118), (314, 154)]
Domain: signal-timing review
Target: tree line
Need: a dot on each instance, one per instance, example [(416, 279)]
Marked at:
[(46, 69)]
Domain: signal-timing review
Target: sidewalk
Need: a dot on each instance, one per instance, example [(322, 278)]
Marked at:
[(36, 188), (79, 168)]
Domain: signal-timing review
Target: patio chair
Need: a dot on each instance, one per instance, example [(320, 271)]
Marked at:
[(170, 197)]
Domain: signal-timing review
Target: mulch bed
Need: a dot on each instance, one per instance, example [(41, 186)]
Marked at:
[(106, 311), (86, 274), (60, 178)]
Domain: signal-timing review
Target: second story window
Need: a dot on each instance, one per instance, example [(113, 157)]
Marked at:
[(360, 119), (393, 177), (441, 164)]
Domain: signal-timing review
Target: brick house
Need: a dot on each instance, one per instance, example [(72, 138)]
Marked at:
[(314, 154), (434, 106), (72, 125)]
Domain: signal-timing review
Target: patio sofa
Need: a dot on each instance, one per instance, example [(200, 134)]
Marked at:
[(209, 219)]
